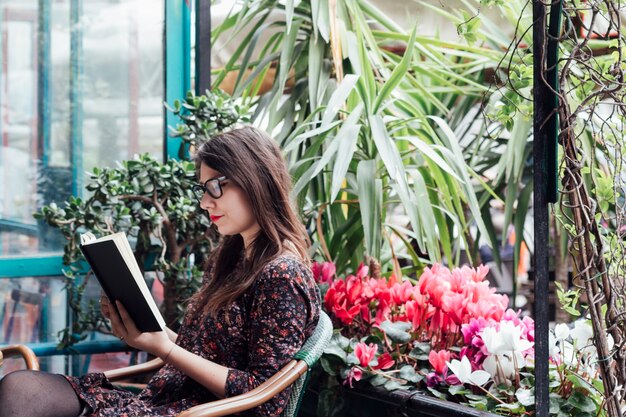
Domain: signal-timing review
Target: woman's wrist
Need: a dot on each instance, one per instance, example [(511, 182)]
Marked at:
[(168, 353)]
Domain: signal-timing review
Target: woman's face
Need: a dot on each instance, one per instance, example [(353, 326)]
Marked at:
[(232, 212)]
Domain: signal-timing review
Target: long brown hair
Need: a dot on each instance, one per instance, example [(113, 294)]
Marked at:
[(253, 160)]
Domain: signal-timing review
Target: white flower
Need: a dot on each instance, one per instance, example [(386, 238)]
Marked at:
[(502, 367), (512, 337), (490, 364), (463, 371), (568, 353), (492, 340), (582, 333), (506, 339), (553, 348), (561, 331)]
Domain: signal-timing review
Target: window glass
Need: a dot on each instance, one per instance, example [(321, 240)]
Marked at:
[(81, 85), (32, 309)]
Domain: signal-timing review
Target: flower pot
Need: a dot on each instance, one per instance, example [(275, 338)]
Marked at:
[(340, 401)]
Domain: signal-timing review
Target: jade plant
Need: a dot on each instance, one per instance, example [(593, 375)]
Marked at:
[(151, 201)]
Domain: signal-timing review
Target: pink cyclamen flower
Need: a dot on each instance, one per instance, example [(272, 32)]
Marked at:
[(438, 361), (354, 374), (365, 353), (362, 270), (401, 292), (472, 329), (453, 305)]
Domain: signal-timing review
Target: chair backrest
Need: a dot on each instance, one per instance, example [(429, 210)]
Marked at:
[(310, 353)]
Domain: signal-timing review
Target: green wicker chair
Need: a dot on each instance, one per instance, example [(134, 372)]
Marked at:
[(294, 374)]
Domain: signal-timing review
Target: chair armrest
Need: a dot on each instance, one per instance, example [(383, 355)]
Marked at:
[(261, 394), (21, 350), (134, 370)]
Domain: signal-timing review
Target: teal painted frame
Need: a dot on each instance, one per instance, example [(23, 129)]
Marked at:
[(43, 82), (177, 66), (31, 266), (76, 97)]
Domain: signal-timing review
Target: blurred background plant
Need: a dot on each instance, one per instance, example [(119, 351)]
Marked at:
[(369, 116)]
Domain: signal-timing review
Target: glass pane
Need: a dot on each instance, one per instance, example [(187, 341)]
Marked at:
[(81, 85), (31, 309)]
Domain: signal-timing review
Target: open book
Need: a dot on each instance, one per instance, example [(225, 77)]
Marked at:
[(114, 264)]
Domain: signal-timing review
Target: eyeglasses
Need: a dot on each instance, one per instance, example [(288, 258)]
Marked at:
[(211, 186)]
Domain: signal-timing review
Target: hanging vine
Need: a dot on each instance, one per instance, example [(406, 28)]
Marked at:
[(591, 117)]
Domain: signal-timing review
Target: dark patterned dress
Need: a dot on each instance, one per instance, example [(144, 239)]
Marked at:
[(254, 337)]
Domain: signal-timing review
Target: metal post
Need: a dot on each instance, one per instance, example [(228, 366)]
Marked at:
[(203, 46), (552, 118), (542, 109)]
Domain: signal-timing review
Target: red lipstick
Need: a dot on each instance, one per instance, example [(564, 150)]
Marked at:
[(215, 218)]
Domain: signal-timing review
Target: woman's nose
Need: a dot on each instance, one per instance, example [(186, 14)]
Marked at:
[(207, 202)]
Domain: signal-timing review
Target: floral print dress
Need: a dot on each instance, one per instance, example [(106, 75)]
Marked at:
[(254, 337)]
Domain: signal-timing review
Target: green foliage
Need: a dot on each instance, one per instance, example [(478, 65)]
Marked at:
[(368, 131), (152, 202), (205, 115), (568, 299)]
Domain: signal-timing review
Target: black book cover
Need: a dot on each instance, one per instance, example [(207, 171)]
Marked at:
[(118, 283)]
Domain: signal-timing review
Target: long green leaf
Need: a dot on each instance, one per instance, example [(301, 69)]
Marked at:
[(357, 56), (338, 98), (347, 138), (429, 151), (292, 144), (317, 167), (321, 19), (287, 57), (426, 213), (370, 203), (520, 219), (317, 74), (470, 194), (396, 76)]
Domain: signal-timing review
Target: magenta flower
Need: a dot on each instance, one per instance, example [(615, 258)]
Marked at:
[(323, 272)]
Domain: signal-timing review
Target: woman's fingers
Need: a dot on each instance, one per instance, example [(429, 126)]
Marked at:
[(128, 322), (105, 306), (117, 324)]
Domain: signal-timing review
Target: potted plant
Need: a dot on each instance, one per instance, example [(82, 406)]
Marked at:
[(446, 335)]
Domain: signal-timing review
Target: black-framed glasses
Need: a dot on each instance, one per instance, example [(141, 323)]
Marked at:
[(212, 186)]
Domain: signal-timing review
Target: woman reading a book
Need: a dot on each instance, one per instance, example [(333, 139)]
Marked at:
[(257, 305)]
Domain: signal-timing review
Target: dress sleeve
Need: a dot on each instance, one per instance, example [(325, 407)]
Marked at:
[(278, 318)]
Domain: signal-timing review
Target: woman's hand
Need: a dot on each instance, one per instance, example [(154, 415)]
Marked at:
[(105, 306), (122, 326)]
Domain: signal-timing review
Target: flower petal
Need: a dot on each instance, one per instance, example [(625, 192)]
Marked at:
[(479, 377)]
